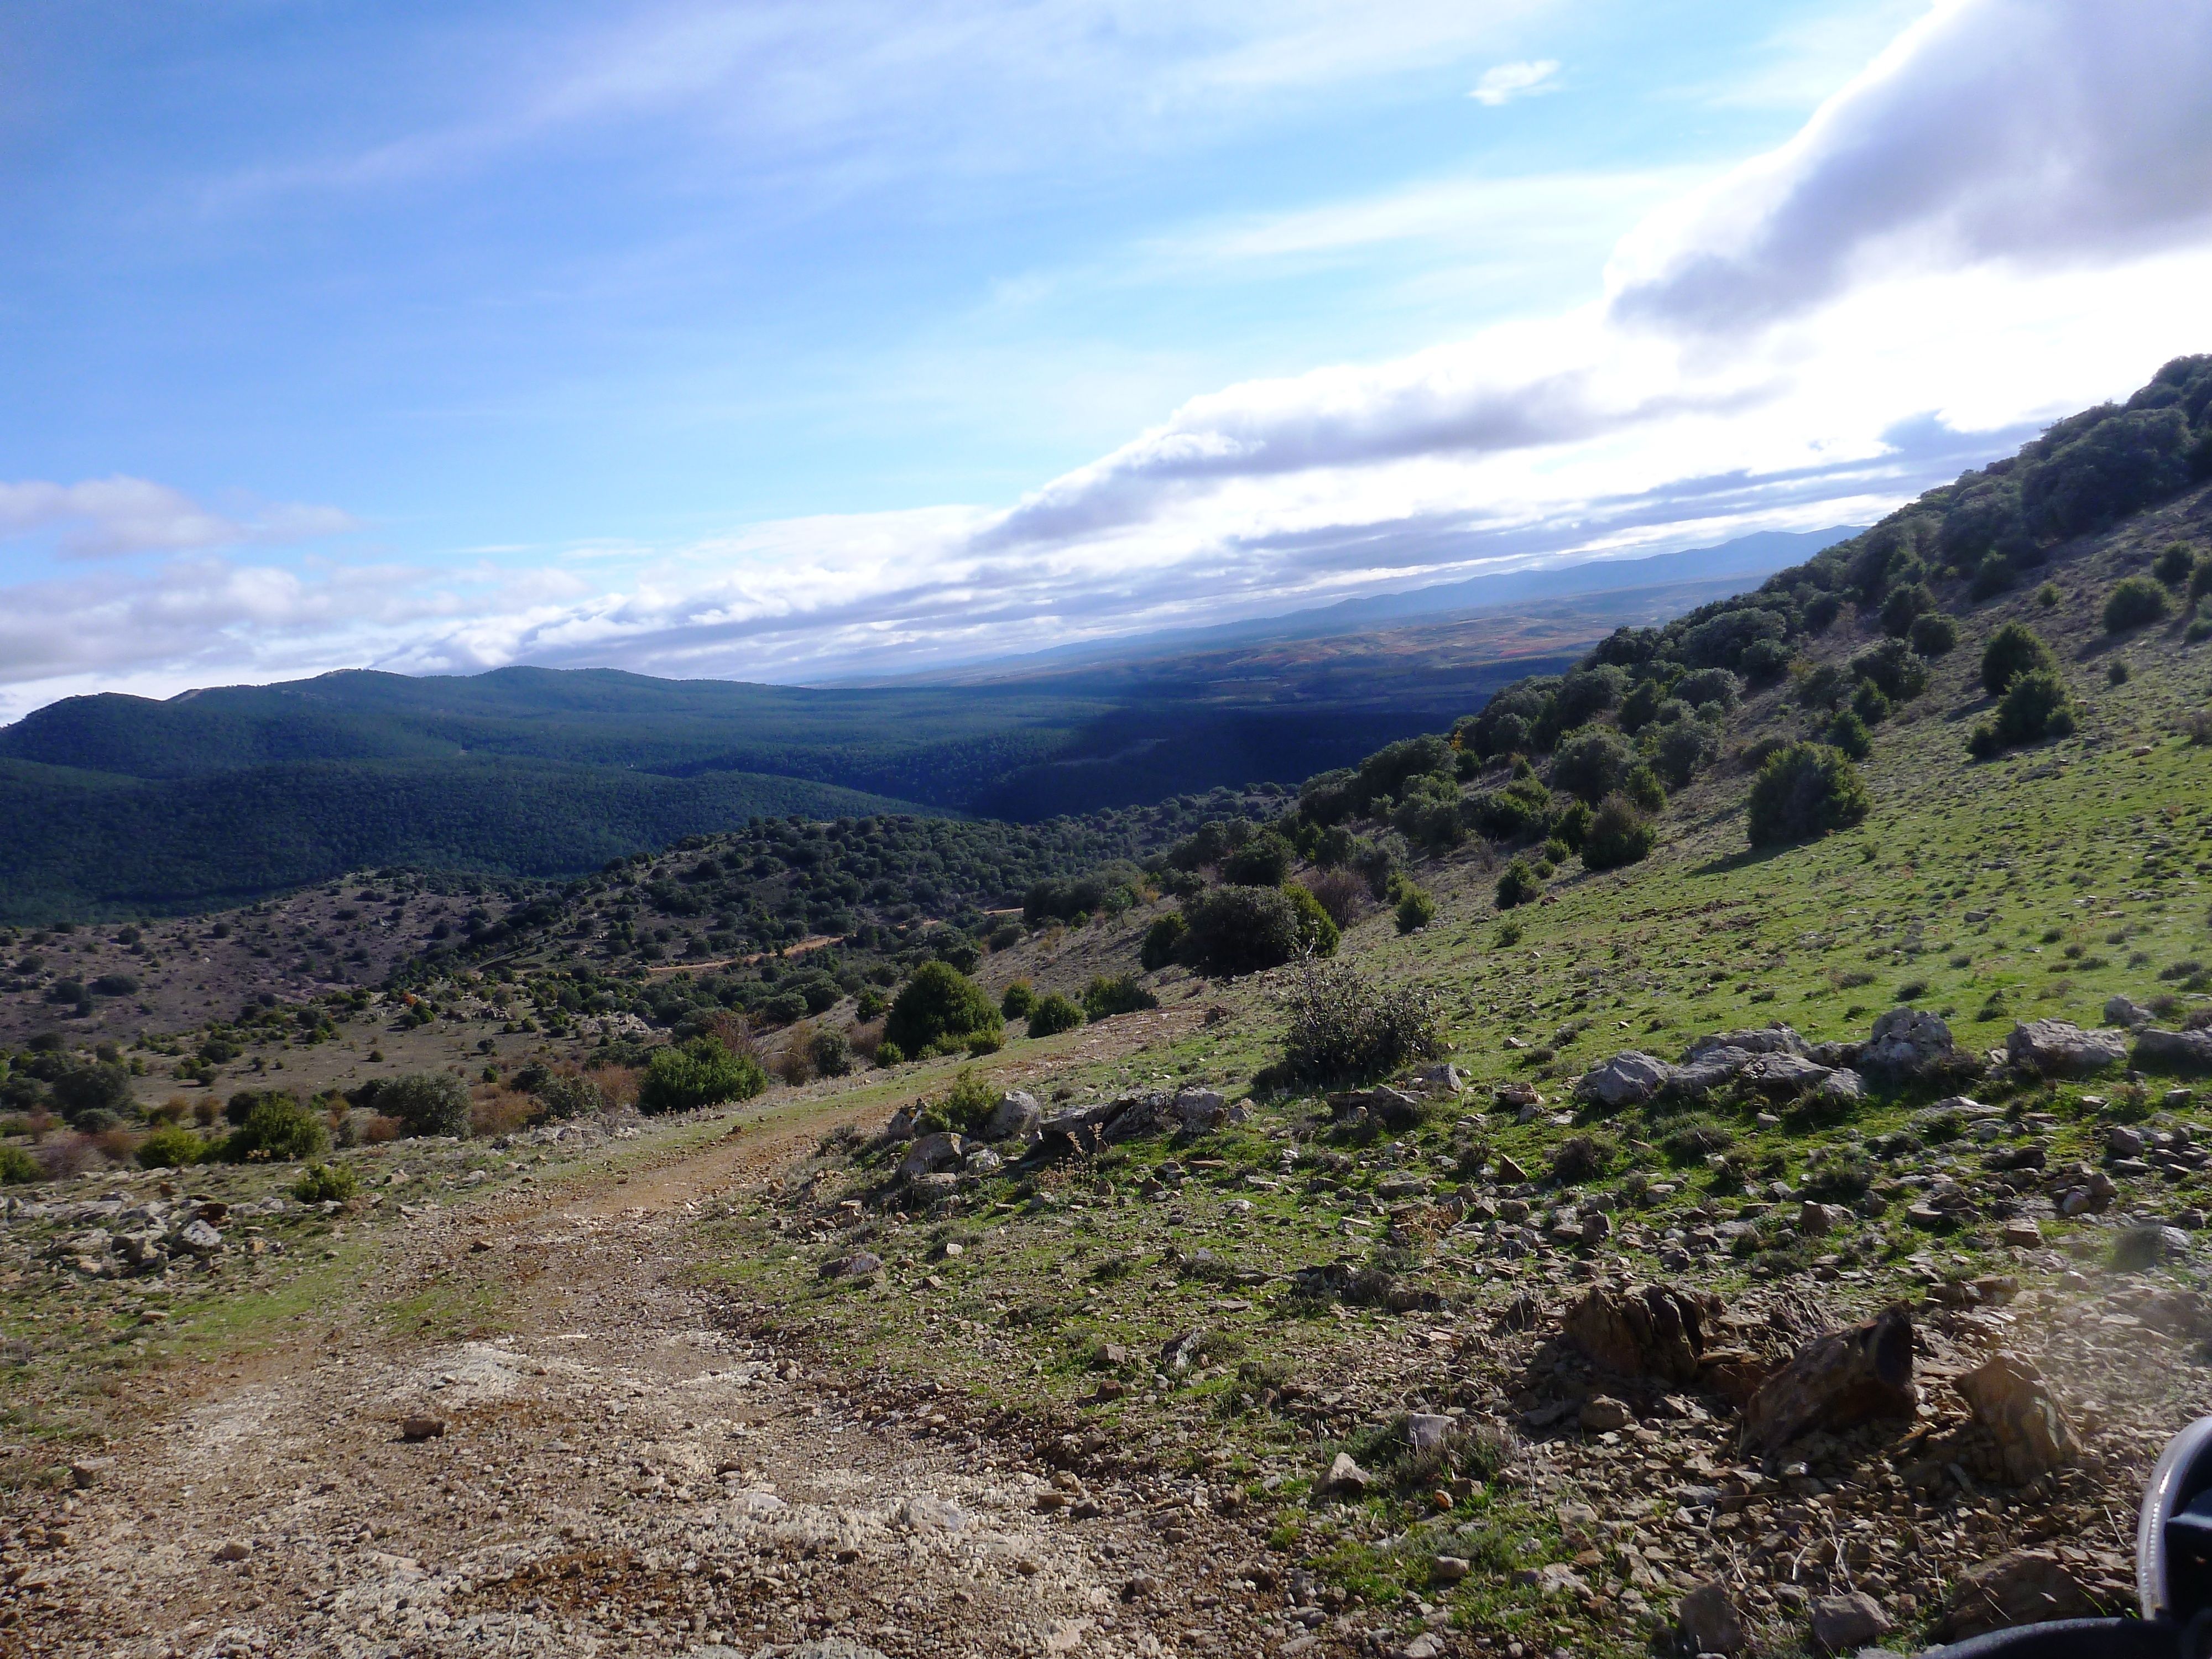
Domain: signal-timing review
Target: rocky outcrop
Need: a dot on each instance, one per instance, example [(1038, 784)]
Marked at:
[(2009, 1400), (2057, 1047), (2173, 1051), (1015, 1116), (1642, 1330), (2021, 1587), (1631, 1078), (1908, 1045), (1390, 1109), (931, 1153), (1835, 1382)]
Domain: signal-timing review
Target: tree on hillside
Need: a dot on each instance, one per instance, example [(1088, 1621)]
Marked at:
[(2013, 650), (1804, 792), (939, 1006)]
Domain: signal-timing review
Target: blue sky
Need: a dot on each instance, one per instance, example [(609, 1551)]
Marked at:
[(785, 340)]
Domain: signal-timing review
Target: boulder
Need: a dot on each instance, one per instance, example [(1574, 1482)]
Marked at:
[(982, 1161), (1132, 1115), (861, 1264), (927, 1190), (2057, 1047), (2122, 1141), (199, 1239), (422, 1428), (925, 1513), (1642, 1330), (1395, 1109), (1763, 1040), (1845, 1624), (1016, 1115), (1817, 1220), (1835, 1382), (1346, 1478), (1442, 1078), (1601, 1414), (930, 1153), (2173, 1051), (1841, 1087), (1711, 1619), (2010, 1402), (1077, 1128), (2021, 1587), (1197, 1110), (1784, 1076), (1426, 1431), (1517, 1094), (2124, 1011), (901, 1127), (1630, 1079), (1908, 1043)]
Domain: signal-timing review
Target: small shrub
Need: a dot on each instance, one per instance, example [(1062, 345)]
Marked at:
[(1592, 762), (1104, 998), (566, 1095), (1317, 932), (2013, 650), (1519, 885), (1263, 861), (171, 1148), (1053, 1015), (830, 1053), (2174, 566), (2047, 597), (1344, 1025), (889, 1054), (428, 1103), (322, 1184), (1240, 930), (701, 1072), (1416, 909), (1806, 791), (1935, 635), (1618, 835), (1696, 1137), (1848, 734), (938, 1005), (278, 1128), (2034, 707), (1838, 1172), (1019, 999), (2135, 602), (2118, 672), (1579, 1158), (963, 1108), (1341, 894), (18, 1167)]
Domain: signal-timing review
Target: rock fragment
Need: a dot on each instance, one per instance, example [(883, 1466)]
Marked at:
[(1835, 1382)]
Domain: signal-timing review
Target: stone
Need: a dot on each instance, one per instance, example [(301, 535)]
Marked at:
[(2121, 1010), (861, 1264), (1449, 1569), (200, 1238), (1835, 1382), (1426, 1430), (1346, 1478), (1517, 1094), (1908, 1043), (2057, 1047), (930, 1187), (1595, 1228), (1641, 1329), (926, 1513), (1442, 1078), (2173, 1051), (1785, 1076), (1762, 1040), (1631, 1078), (1845, 1624), (1393, 1108), (1428, 1645), (1601, 1414), (2022, 1231), (1013, 1118), (828, 1647), (2121, 1141), (931, 1153), (901, 1127), (2010, 1401), (982, 1162), (1817, 1220), (233, 1549), (90, 1471), (1841, 1087), (2021, 1587), (422, 1428), (1198, 1110), (1711, 1619)]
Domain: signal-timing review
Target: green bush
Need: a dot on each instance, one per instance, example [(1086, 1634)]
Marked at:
[(1240, 930), (2176, 565), (1618, 835), (278, 1128), (1893, 666), (82, 1089), (1518, 885), (1263, 861), (830, 1053), (1848, 732), (1163, 940), (2036, 706), (889, 1054), (1019, 999), (1317, 930), (1935, 635), (322, 1184), (1053, 1015), (1904, 607), (963, 1109), (564, 1095), (2200, 579), (1416, 909), (1583, 1157), (428, 1103), (18, 1166), (701, 1072), (1344, 1025), (1592, 762), (1697, 1136), (2013, 650), (1805, 790), (2047, 596), (171, 1148), (2135, 602), (940, 1004), (1104, 998)]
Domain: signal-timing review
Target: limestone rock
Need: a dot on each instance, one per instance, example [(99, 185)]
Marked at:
[(1346, 1478), (1630, 1079), (930, 1153), (422, 1428), (2121, 1010), (1449, 1569), (1783, 1076), (861, 1264), (1015, 1116), (1711, 1619), (2010, 1401), (925, 1513), (1426, 1430), (1601, 1414), (1835, 1382), (2021, 1587), (1199, 1109), (901, 1127), (1817, 1220), (1442, 1078), (1845, 1624), (1763, 1040), (1908, 1043), (1642, 1329), (1393, 1108), (200, 1238), (2057, 1047), (2173, 1051)]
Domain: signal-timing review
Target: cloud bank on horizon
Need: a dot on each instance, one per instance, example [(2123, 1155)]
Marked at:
[(2006, 214)]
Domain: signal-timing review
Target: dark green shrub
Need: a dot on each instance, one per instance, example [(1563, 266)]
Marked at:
[(278, 1128), (1691, 1139), (1868, 703), (1020, 998), (171, 1148), (1680, 750), (1430, 814), (1521, 807), (1345, 1026), (2036, 706), (1568, 827), (1518, 885), (1848, 732), (428, 1103), (1053, 1015), (18, 1167), (1805, 790), (1618, 835), (1838, 1172), (566, 1095), (941, 1006), (2134, 602), (1318, 935), (871, 1004), (1583, 1157), (1893, 666), (1162, 941), (321, 1183), (84, 1090), (1765, 661), (1643, 789), (1713, 685), (704, 1072), (889, 1055), (1263, 861), (2175, 565), (2047, 596), (2118, 672), (1239, 929), (2200, 579), (830, 1053), (2013, 650), (963, 1109), (1592, 762), (1415, 908), (1904, 607), (1104, 998), (1934, 634), (115, 985)]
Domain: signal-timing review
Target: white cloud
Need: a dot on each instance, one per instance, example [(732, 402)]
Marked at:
[(104, 518), (1506, 81)]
